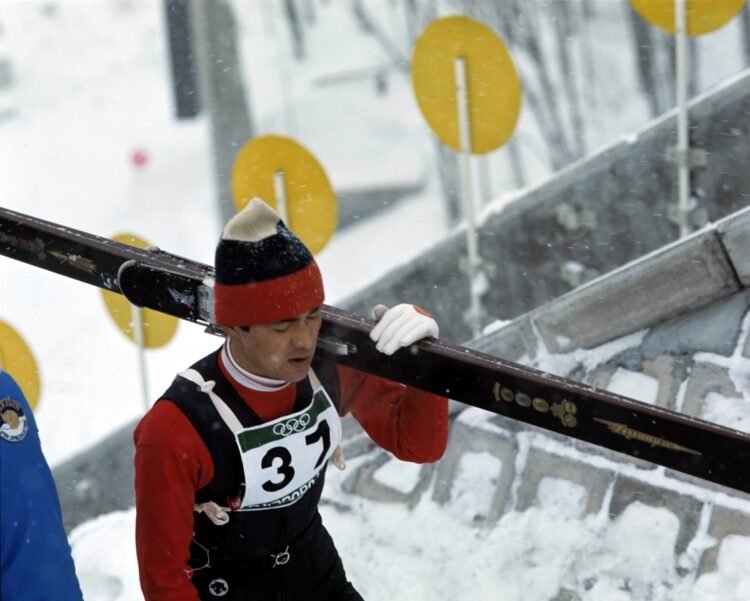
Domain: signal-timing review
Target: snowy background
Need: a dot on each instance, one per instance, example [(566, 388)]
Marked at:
[(91, 87)]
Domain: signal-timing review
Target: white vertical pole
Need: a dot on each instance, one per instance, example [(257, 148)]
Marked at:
[(140, 344), (683, 140), (279, 188), (464, 123)]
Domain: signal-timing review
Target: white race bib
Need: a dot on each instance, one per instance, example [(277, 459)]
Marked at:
[(283, 459)]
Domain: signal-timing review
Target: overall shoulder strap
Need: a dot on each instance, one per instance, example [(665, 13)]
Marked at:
[(325, 372), (314, 380), (230, 419)]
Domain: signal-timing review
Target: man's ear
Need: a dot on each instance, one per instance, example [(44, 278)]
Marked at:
[(230, 331)]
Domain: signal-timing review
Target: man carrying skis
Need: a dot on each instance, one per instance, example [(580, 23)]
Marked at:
[(230, 463)]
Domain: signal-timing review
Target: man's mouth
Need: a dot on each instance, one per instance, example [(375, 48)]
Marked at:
[(300, 361)]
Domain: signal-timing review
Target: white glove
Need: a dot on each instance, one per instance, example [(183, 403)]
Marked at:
[(401, 326)]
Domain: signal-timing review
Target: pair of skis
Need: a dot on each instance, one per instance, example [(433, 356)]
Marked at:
[(183, 288)]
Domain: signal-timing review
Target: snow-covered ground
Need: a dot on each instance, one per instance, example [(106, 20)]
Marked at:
[(92, 88)]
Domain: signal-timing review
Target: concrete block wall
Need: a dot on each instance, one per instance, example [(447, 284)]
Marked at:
[(724, 522), (466, 440), (610, 485)]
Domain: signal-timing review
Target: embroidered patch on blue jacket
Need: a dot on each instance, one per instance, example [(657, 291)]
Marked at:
[(14, 424)]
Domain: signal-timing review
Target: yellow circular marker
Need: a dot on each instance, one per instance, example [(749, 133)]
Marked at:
[(16, 359), (702, 16), (311, 208), (158, 328), (494, 89)]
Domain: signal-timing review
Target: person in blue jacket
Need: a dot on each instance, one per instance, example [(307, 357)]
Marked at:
[(35, 557)]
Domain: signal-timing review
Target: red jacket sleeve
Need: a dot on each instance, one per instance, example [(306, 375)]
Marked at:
[(408, 422), (171, 463)]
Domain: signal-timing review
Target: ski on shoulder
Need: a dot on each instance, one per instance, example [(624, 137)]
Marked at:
[(183, 288)]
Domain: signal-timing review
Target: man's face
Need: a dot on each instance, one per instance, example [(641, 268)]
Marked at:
[(282, 350)]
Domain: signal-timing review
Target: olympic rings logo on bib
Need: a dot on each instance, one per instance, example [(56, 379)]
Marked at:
[(290, 426)]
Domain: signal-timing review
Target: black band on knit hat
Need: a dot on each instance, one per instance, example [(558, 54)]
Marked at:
[(264, 272), (239, 262)]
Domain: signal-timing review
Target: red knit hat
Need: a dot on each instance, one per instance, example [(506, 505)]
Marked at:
[(264, 273)]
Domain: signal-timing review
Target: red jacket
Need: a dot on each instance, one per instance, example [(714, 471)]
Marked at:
[(172, 463)]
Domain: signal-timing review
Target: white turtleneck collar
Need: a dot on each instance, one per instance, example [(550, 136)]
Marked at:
[(246, 378)]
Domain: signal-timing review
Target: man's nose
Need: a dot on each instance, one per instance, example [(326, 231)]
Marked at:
[(303, 336)]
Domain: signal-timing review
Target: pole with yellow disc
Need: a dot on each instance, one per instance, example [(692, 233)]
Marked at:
[(683, 18), (468, 91), (145, 327), (683, 135), (288, 177), (472, 251), (137, 313)]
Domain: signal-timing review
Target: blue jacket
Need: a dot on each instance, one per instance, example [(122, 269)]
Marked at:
[(35, 558)]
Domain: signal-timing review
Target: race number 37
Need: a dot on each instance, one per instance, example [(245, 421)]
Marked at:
[(280, 458)]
